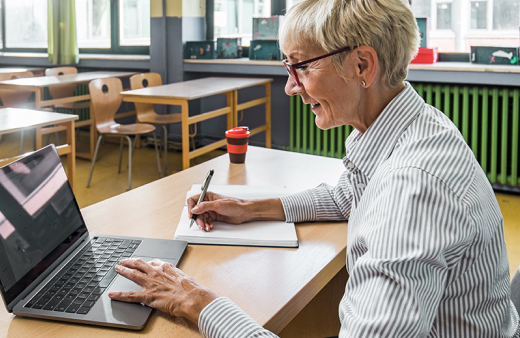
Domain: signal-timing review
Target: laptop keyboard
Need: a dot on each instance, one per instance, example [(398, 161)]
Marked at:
[(77, 287)]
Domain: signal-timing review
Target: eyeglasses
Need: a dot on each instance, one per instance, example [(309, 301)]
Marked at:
[(291, 68)]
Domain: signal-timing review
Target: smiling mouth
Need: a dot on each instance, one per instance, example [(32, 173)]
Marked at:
[(314, 105)]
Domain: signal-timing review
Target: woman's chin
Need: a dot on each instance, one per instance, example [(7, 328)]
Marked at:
[(323, 125)]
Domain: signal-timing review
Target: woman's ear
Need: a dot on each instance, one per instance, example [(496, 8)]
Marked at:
[(366, 65)]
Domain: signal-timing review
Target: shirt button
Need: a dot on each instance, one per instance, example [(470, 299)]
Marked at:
[(360, 185), (350, 165)]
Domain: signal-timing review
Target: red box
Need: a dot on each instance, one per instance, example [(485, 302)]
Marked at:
[(426, 55)]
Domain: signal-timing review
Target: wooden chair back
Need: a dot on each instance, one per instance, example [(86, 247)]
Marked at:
[(58, 92), (105, 100), (145, 80), (14, 97)]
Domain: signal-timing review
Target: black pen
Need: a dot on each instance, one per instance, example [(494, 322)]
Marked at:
[(204, 188)]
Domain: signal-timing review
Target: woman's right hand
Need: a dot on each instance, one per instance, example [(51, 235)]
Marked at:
[(217, 208), (232, 210)]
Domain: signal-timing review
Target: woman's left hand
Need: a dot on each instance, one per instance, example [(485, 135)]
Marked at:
[(165, 288)]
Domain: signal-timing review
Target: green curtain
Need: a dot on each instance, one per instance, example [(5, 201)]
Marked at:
[(61, 31)]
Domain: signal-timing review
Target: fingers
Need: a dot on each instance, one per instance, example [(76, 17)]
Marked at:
[(130, 296)]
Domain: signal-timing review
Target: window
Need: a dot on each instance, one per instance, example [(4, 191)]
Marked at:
[(234, 18), (134, 22), (444, 16), (505, 14), (1, 27), (456, 25), (25, 24), (102, 26), (478, 14), (107, 26), (93, 23)]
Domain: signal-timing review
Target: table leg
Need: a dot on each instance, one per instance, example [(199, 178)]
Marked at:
[(185, 136), (71, 156), (38, 138), (268, 115), (38, 98), (232, 118)]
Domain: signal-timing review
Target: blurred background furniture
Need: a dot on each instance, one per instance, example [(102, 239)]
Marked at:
[(145, 112), (105, 101), (18, 119)]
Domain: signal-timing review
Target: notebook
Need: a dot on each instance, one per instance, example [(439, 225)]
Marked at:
[(257, 233), (50, 266)]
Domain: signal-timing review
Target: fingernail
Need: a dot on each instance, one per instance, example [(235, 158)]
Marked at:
[(195, 208), (118, 268)]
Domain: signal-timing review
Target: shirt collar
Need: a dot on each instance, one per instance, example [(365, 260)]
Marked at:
[(367, 151)]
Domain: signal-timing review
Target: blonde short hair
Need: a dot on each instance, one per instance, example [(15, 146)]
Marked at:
[(388, 26)]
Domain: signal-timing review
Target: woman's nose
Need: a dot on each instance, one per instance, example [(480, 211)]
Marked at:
[(292, 88)]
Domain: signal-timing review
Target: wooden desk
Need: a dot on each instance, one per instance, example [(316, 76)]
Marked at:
[(37, 71), (182, 92), (17, 119), (270, 284), (37, 84)]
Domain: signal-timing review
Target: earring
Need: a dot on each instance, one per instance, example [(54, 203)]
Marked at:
[(363, 83)]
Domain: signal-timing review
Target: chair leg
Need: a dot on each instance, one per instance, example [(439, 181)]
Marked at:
[(130, 146), (57, 138), (21, 144), (120, 153), (162, 135), (48, 138), (165, 131), (94, 160), (157, 154)]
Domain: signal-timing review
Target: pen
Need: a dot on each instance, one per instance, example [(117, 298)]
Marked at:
[(204, 188)]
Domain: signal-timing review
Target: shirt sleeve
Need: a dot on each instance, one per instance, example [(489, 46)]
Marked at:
[(224, 319), (323, 203), (413, 233)]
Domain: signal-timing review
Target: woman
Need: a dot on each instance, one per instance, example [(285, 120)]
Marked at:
[(426, 253)]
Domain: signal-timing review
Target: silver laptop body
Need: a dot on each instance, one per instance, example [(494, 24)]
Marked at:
[(50, 266)]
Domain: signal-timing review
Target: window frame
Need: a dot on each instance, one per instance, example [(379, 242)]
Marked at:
[(5, 49), (115, 48)]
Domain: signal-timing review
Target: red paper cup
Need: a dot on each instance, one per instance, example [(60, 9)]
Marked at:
[(237, 140)]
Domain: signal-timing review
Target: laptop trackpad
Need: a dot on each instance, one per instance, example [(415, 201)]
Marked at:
[(123, 284)]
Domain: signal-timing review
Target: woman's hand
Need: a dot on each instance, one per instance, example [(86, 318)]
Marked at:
[(165, 288), (233, 210)]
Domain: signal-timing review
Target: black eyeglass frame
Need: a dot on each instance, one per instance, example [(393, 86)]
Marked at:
[(291, 68)]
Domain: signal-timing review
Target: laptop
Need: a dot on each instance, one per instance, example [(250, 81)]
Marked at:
[(50, 266)]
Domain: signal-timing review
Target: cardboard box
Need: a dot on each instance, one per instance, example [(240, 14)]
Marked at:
[(494, 55), (266, 28), (200, 50), (229, 48), (426, 55), (264, 50)]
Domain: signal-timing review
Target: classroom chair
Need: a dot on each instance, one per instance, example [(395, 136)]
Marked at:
[(145, 111), (515, 290), (13, 97), (105, 98), (66, 90)]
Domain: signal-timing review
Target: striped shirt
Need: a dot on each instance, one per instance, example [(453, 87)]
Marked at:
[(426, 254)]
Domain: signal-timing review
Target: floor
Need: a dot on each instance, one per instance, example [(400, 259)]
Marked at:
[(106, 182)]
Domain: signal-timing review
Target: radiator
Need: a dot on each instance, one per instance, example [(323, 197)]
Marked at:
[(487, 117)]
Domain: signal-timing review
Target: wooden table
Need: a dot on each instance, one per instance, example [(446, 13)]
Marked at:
[(37, 71), (17, 119), (182, 92), (37, 84), (272, 285)]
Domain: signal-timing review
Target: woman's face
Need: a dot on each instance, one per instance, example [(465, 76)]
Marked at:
[(334, 101)]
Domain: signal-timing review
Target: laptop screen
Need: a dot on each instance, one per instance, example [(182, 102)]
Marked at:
[(39, 219)]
